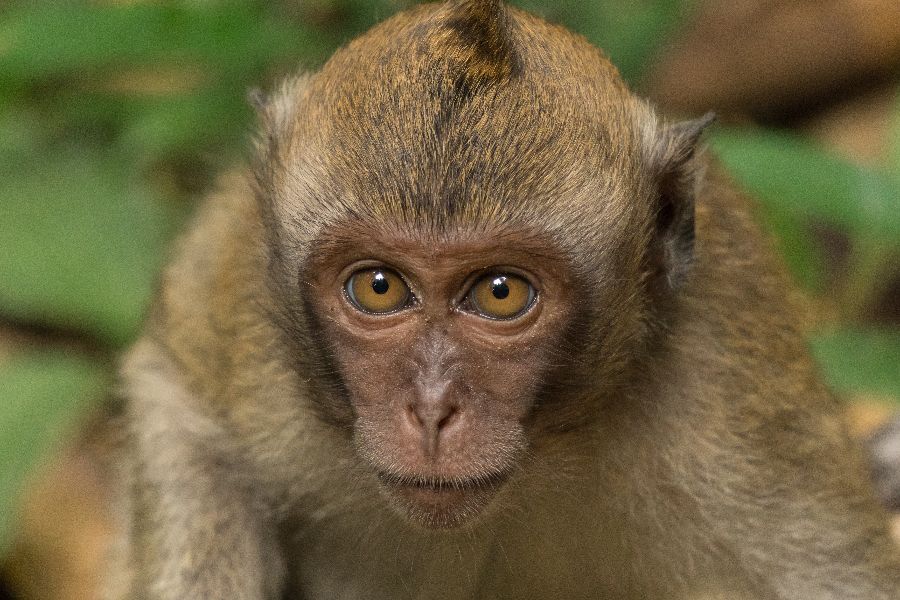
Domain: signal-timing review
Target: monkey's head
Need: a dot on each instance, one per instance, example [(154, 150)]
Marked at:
[(473, 225)]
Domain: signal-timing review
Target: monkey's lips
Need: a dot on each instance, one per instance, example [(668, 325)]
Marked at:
[(442, 503)]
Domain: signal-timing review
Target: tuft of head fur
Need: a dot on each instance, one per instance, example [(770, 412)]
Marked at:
[(477, 31)]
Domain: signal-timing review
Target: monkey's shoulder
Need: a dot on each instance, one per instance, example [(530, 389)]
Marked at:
[(209, 290)]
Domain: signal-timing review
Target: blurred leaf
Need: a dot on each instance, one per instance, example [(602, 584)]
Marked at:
[(167, 126), (894, 144), (793, 176), (360, 15), (39, 40), (148, 129), (632, 32), (164, 78), (18, 135), (82, 240), (40, 395), (859, 361), (798, 248)]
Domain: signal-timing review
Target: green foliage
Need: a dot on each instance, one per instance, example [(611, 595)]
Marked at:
[(894, 150), (41, 396), (51, 39), (792, 176), (105, 94), (800, 185), (89, 61), (855, 360), (82, 240)]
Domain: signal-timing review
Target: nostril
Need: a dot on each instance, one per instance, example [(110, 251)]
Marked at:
[(448, 418), (412, 415)]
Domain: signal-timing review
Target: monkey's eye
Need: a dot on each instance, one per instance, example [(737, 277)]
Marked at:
[(501, 296), (377, 291)]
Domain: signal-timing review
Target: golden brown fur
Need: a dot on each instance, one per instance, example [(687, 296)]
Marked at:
[(681, 446)]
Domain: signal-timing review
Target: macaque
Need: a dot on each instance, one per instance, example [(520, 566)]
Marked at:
[(476, 323)]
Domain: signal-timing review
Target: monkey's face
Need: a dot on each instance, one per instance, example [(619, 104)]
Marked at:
[(486, 225), (470, 224), (442, 346)]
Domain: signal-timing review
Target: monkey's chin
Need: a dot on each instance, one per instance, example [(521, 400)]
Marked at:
[(440, 504)]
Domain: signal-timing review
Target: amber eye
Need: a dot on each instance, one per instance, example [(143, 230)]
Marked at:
[(377, 291), (501, 296)]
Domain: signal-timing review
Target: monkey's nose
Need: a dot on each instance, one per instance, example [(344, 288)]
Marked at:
[(432, 417)]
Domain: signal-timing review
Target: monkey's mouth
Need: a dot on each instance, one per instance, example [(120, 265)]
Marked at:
[(442, 502), (441, 484)]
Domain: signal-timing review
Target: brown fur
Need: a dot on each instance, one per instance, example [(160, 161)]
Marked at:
[(670, 438)]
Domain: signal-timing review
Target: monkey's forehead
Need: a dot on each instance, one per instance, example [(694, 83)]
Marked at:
[(410, 123), (426, 82)]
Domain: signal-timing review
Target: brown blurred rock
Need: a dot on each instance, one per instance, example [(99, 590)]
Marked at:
[(857, 129), (865, 415), (771, 58), (65, 525)]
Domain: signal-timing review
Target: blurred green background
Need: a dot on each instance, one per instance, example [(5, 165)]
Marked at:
[(116, 116)]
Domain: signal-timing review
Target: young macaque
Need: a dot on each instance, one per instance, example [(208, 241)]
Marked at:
[(477, 325)]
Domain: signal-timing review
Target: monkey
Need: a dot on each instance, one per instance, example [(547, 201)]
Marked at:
[(476, 322)]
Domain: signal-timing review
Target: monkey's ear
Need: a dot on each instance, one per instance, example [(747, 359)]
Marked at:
[(277, 112), (256, 98), (676, 177), (277, 109)]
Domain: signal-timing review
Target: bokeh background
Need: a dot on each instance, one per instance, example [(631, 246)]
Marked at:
[(116, 115)]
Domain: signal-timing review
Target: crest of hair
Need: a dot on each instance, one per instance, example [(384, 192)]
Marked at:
[(478, 35)]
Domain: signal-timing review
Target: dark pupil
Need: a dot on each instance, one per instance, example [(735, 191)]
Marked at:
[(380, 283), (499, 288)]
